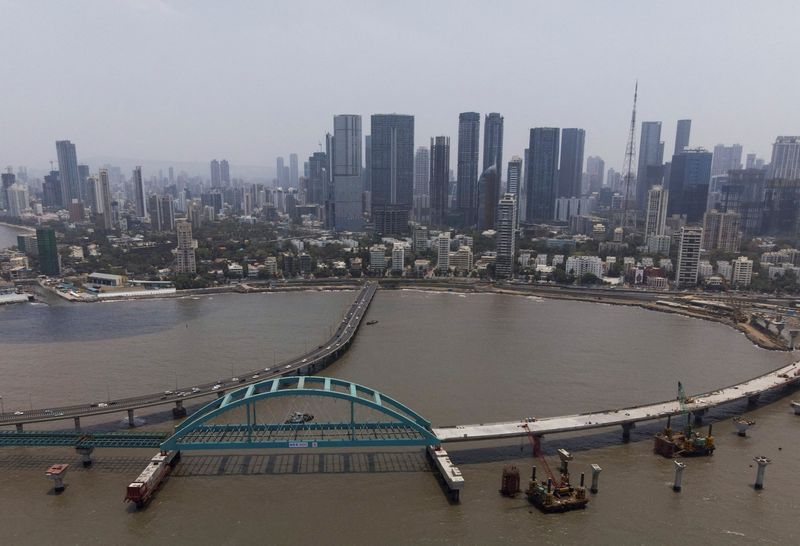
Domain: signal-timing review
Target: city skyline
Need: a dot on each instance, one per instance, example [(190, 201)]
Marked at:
[(181, 130)]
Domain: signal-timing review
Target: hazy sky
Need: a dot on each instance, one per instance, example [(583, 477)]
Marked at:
[(192, 80)]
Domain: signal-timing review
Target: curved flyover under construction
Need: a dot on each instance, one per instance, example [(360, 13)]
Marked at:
[(698, 405)]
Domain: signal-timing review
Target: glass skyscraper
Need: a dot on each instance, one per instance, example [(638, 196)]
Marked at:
[(392, 150), (542, 171)]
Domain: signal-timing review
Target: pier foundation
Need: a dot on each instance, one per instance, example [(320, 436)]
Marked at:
[(679, 466), (626, 431), (762, 466), (78, 424), (698, 416), (86, 453), (595, 477), (178, 410), (57, 472), (19, 427), (131, 422), (537, 445)]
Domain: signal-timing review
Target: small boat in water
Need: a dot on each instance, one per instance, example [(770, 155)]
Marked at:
[(298, 418), (371, 322), (796, 407)]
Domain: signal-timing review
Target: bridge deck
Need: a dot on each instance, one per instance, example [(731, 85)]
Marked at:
[(334, 435), (58, 438), (312, 360), (785, 376)]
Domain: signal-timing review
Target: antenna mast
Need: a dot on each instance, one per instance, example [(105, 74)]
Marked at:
[(630, 152)]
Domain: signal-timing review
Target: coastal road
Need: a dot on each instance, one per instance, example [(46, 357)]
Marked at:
[(306, 363), (787, 376)]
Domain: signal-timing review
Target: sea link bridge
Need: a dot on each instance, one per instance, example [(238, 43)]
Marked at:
[(289, 408), (324, 412)]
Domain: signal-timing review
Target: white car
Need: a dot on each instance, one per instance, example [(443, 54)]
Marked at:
[(267, 369), (234, 379), (255, 376), (195, 389), (328, 347), (304, 360), (216, 387), (102, 405), (19, 413), (288, 366)]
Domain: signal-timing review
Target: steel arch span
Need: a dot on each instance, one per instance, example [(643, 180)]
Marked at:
[(394, 424)]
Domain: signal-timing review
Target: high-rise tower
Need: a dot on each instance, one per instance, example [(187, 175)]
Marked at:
[(682, 135), (469, 137), (506, 236), (651, 153), (493, 142), (726, 158), (215, 174), (785, 162), (185, 263), (422, 170), (542, 174), (68, 170), (139, 199), (439, 178), (392, 171), (224, 173), (571, 166), (347, 179)]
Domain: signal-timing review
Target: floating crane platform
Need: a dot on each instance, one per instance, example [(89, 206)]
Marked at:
[(551, 497)]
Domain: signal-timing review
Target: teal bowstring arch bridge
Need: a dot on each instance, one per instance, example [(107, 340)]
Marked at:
[(301, 412)]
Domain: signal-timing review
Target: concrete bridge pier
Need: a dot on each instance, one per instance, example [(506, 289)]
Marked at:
[(595, 477), (178, 411), (698, 416), (762, 466), (220, 394), (679, 466), (86, 453), (537, 445), (131, 421), (626, 431), (78, 424), (19, 427)]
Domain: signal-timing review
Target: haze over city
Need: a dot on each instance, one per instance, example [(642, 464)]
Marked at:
[(370, 260), (135, 81)]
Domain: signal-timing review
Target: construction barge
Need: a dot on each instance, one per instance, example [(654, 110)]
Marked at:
[(689, 443), (551, 497), (142, 489)]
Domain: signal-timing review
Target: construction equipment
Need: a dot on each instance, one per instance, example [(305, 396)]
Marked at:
[(553, 495), (687, 443)]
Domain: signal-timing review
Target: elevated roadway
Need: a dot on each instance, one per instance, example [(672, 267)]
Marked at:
[(304, 364), (782, 378), (787, 376)]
